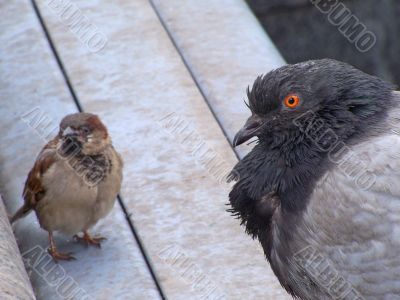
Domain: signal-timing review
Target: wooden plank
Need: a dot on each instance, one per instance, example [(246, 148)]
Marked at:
[(14, 281), (168, 137), (34, 99), (225, 48)]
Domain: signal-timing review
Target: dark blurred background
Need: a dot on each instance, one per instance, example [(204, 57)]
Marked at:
[(300, 31)]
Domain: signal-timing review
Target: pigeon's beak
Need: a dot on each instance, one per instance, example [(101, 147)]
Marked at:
[(249, 130)]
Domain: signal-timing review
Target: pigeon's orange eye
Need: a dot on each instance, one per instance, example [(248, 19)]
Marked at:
[(291, 101)]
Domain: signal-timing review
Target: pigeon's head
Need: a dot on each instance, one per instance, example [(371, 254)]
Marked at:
[(287, 101)]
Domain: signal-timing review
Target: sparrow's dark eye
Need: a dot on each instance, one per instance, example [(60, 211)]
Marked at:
[(291, 100), (85, 130)]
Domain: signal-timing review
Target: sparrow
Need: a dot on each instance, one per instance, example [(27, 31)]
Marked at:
[(74, 181), (320, 190)]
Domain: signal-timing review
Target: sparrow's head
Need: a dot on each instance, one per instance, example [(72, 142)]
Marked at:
[(84, 130), (332, 93)]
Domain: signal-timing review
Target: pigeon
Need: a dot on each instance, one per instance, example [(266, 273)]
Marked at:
[(320, 189), (74, 181)]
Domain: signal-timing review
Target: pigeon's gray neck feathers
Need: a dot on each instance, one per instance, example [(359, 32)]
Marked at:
[(358, 111), (291, 166)]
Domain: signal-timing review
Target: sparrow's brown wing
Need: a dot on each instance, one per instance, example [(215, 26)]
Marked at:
[(34, 189)]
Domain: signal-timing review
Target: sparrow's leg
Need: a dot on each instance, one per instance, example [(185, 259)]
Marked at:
[(88, 240), (54, 252)]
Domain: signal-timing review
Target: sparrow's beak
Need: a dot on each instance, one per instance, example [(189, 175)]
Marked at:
[(249, 130), (69, 132)]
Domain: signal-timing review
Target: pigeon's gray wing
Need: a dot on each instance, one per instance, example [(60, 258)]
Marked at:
[(350, 231)]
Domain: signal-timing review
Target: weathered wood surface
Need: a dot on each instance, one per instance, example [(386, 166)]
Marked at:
[(225, 49), (34, 98), (14, 281)]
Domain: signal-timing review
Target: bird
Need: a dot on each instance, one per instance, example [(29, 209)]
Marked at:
[(74, 181), (320, 190)]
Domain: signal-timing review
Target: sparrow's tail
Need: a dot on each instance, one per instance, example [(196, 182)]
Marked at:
[(22, 212)]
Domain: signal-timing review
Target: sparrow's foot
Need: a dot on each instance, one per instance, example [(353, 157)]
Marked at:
[(59, 255), (88, 240), (54, 252)]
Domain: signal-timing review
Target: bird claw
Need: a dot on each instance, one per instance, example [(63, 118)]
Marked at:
[(88, 240), (57, 256)]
